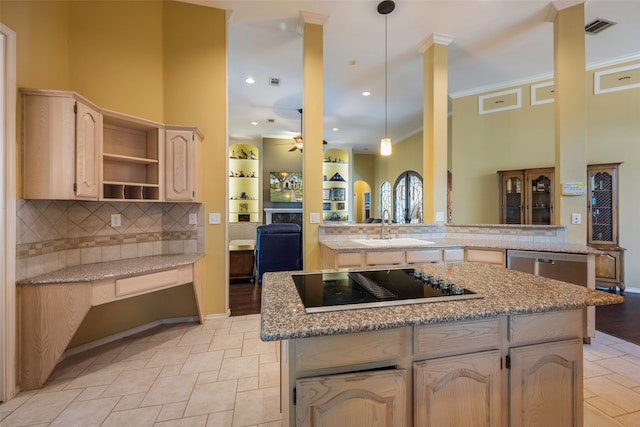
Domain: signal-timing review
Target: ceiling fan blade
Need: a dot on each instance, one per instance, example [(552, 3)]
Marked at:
[(294, 148)]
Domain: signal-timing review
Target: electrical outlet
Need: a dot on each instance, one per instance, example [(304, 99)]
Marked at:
[(314, 218), (439, 216), (193, 219), (116, 220), (576, 218)]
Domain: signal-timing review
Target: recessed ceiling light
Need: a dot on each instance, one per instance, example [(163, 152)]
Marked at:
[(250, 80), (254, 123), (335, 129), (366, 93)]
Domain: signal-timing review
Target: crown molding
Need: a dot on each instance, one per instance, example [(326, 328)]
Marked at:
[(435, 38), (310, 18)]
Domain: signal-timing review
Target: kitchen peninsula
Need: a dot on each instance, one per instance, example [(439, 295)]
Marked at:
[(512, 357)]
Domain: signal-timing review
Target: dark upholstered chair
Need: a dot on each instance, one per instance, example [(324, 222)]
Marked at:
[(278, 248)]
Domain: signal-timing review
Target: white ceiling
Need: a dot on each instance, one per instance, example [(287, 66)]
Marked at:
[(495, 43)]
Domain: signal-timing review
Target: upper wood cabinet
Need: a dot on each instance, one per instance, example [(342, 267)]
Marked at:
[(181, 153), (73, 150), (62, 139), (526, 196)]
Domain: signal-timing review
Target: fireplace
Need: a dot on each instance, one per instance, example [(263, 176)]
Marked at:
[(287, 215)]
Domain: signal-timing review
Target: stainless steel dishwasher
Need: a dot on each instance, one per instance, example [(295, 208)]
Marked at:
[(570, 268)]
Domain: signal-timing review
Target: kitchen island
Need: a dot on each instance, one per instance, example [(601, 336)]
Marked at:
[(512, 357)]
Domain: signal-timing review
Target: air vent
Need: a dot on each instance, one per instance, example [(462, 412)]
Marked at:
[(597, 25), (274, 81)]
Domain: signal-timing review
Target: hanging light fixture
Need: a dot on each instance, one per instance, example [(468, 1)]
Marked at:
[(297, 140), (384, 8)]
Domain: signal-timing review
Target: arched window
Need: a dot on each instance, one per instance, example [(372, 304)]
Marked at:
[(385, 197), (407, 201)]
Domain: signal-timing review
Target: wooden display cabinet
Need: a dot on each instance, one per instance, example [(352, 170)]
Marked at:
[(526, 196), (602, 228)]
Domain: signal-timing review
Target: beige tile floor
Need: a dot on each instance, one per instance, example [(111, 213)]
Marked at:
[(221, 374)]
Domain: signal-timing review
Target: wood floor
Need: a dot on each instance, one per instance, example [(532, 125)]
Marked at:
[(244, 298), (621, 320), (617, 320)]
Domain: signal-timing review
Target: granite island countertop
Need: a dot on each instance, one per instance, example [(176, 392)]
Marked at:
[(112, 269), (351, 245), (505, 292)]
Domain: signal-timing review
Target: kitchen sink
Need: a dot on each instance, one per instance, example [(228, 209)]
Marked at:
[(399, 242)]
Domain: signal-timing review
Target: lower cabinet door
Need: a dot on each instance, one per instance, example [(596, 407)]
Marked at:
[(362, 399), (458, 391), (545, 385)]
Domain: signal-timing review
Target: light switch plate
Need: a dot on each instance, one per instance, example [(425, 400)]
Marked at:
[(193, 219), (439, 216), (314, 218), (116, 220), (214, 218)]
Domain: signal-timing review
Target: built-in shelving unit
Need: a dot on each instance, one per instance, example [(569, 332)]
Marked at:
[(335, 189), (244, 183), (131, 157)]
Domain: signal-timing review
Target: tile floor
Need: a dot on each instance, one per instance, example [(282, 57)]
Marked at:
[(221, 374)]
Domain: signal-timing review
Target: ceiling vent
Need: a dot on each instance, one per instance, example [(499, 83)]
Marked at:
[(597, 25), (274, 81)]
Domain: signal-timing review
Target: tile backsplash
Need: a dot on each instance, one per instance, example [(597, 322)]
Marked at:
[(54, 234)]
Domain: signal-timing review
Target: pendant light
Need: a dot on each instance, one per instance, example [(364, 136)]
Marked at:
[(384, 8)]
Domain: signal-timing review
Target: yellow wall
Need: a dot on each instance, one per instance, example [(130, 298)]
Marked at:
[(524, 138), (163, 61), (195, 70), (116, 55)]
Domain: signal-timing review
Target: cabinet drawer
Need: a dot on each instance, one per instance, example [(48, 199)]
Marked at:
[(385, 257), (545, 326), (352, 349), (422, 256), (453, 255), (348, 259), (488, 256), (457, 337), (147, 282)]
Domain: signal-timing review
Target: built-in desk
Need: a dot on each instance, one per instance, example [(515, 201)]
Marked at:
[(53, 305)]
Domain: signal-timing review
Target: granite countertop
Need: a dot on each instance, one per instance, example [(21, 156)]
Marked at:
[(112, 269), (350, 245), (505, 292)]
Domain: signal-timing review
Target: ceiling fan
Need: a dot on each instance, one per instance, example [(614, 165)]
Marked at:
[(297, 140)]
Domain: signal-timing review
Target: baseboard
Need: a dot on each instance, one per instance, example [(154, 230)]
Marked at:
[(127, 333), (218, 316)]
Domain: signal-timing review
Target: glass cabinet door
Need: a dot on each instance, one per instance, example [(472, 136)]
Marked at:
[(602, 206), (540, 203), (512, 199)]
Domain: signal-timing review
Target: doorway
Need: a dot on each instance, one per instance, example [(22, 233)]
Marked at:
[(361, 201)]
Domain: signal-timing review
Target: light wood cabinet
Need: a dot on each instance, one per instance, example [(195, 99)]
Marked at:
[(485, 255), (526, 196), (132, 158), (400, 257), (181, 154), (545, 383), (508, 370), (458, 391), (376, 398), (62, 139), (73, 150)]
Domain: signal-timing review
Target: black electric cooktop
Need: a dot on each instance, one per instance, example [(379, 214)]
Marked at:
[(343, 290)]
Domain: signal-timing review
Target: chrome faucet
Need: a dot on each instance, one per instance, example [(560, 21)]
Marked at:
[(386, 235)]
